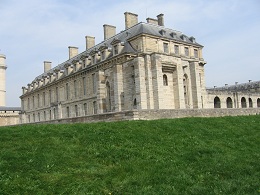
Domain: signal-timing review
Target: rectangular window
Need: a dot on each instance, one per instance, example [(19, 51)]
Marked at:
[(165, 48), (75, 89), (84, 86), (85, 109), (94, 82), (186, 51), (95, 107), (50, 98), (44, 102), (67, 91), (33, 102), (38, 99), (115, 50), (28, 104), (195, 53), (57, 94), (176, 49), (68, 111), (76, 110)]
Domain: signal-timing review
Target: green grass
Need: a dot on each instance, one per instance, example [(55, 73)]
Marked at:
[(169, 156)]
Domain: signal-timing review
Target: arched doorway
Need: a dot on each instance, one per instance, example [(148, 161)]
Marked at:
[(250, 103), (217, 103), (186, 90), (258, 102), (229, 103), (108, 97), (243, 102)]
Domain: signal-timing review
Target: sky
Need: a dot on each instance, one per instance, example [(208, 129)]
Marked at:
[(33, 31)]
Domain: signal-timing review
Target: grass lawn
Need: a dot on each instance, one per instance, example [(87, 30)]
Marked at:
[(169, 156)]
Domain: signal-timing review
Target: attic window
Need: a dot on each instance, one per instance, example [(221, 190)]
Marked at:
[(192, 39), (183, 37), (162, 32), (173, 35), (115, 50)]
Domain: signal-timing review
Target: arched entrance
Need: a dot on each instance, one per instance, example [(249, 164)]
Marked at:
[(258, 102), (229, 103), (217, 103), (243, 102)]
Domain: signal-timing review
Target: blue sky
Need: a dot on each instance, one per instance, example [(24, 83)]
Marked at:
[(32, 31)]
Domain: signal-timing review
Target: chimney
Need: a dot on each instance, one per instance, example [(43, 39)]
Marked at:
[(109, 31), (130, 19), (47, 66), (152, 21), (90, 42), (73, 51), (160, 20)]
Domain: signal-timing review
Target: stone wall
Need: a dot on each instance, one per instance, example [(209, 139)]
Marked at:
[(158, 114), (9, 119)]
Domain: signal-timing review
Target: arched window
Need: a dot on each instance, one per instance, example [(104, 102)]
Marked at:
[(250, 103), (165, 80), (258, 102), (229, 103), (243, 102), (217, 103)]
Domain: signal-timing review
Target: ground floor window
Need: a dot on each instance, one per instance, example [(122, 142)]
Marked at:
[(229, 103), (243, 102)]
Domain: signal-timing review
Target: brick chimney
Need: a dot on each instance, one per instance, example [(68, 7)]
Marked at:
[(109, 31), (160, 20), (90, 42), (131, 19), (47, 66), (73, 51)]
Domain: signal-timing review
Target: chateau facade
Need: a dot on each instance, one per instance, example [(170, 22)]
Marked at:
[(144, 67)]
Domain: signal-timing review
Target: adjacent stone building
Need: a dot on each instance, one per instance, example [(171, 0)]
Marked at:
[(145, 67), (8, 115)]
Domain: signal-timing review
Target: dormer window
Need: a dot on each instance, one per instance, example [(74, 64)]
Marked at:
[(92, 60), (115, 49), (162, 32), (103, 56)]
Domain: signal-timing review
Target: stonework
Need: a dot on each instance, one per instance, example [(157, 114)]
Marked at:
[(145, 67), (8, 115)]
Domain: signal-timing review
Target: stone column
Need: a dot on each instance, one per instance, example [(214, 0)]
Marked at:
[(178, 86), (195, 85), (3, 68), (118, 87), (149, 84), (101, 94), (140, 83), (156, 68)]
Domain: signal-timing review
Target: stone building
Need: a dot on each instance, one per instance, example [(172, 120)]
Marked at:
[(8, 115), (145, 67)]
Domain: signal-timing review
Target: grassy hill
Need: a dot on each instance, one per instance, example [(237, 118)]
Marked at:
[(176, 156)]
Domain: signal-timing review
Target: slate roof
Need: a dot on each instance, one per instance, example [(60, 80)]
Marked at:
[(238, 87), (124, 36), (3, 108)]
